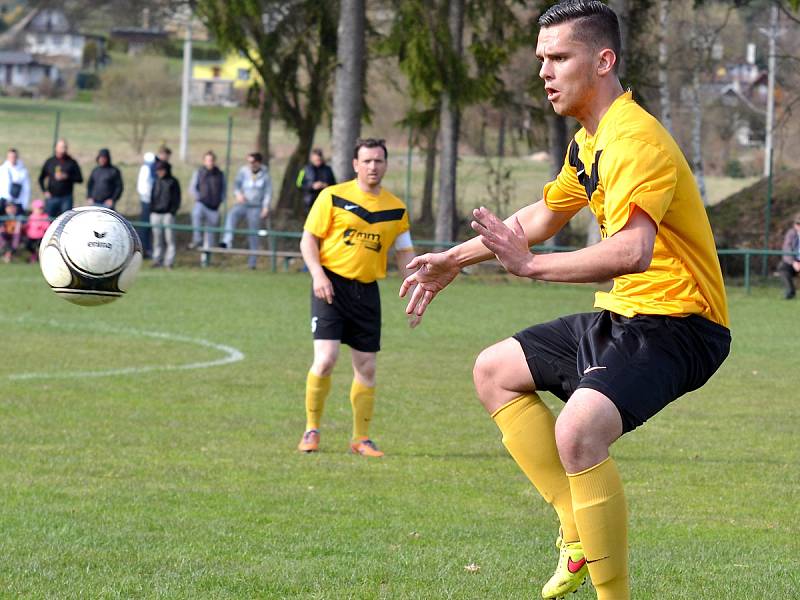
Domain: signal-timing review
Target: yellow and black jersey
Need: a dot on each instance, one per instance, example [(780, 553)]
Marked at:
[(631, 160), (356, 229)]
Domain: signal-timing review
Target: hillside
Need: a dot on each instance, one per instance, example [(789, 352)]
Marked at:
[(738, 221)]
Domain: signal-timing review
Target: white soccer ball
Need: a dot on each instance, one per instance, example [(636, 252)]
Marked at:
[(90, 255)]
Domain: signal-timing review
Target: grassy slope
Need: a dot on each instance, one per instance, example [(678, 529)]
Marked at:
[(185, 484)]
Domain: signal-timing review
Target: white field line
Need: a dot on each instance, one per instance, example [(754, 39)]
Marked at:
[(231, 354)]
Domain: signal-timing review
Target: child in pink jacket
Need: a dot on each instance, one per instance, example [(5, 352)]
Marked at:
[(37, 224)]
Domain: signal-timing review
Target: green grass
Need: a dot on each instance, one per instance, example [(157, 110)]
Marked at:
[(185, 483)]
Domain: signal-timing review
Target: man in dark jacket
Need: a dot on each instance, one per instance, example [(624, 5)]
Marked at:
[(316, 177), (105, 183), (165, 200), (59, 175), (207, 188), (790, 262)]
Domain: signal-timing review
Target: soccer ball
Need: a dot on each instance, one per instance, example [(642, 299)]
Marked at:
[(90, 255)]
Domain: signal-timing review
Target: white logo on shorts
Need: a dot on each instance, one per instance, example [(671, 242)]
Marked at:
[(314, 324), (350, 206), (590, 369)]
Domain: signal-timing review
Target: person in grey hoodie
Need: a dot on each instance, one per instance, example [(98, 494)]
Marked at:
[(253, 195), (15, 183)]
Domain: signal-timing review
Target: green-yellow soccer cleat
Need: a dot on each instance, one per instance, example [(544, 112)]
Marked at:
[(570, 573)]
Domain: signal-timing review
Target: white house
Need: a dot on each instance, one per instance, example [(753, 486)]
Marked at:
[(22, 70)]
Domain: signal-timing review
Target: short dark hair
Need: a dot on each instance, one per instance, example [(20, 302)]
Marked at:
[(210, 153), (256, 156), (14, 150), (598, 23), (163, 149), (318, 152), (370, 143)]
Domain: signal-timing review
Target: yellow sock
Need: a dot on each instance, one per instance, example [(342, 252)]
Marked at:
[(599, 504), (362, 399), (528, 429), (317, 389)]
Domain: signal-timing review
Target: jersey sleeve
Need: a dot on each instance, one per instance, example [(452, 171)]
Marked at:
[(635, 173), (565, 193), (319, 217)]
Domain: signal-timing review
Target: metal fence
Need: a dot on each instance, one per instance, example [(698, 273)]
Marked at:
[(274, 252)]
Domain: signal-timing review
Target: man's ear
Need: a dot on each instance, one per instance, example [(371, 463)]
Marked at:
[(607, 61)]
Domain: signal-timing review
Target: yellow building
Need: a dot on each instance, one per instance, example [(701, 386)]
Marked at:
[(222, 82)]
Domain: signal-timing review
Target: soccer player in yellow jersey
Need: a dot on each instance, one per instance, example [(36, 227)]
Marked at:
[(662, 331), (345, 244)]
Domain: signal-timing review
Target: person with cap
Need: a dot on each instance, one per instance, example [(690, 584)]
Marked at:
[(105, 182), (165, 200)]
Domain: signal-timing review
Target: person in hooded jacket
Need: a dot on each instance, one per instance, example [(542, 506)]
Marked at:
[(165, 200), (105, 183)]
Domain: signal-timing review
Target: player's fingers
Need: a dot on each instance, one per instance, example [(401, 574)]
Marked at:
[(416, 262), (407, 283), (416, 296), (427, 296)]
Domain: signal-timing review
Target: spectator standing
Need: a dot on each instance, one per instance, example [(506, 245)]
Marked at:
[(15, 183), (253, 195), (165, 200), (105, 182), (11, 232), (35, 226), (207, 189), (790, 262), (59, 175), (316, 177), (144, 187)]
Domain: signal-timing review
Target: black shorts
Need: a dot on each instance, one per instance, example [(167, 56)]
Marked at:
[(354, 318), (641, 363)]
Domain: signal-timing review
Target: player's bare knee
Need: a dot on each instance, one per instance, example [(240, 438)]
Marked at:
[(323, 365), (484, 376)]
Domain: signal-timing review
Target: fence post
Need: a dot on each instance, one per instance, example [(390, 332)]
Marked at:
[(55, 131), (747, 272), (273, 247)]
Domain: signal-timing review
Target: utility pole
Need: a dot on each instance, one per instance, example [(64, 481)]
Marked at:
[(773, 34), (187, 76)]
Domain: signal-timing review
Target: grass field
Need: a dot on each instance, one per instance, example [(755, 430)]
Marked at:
[(166, 481)]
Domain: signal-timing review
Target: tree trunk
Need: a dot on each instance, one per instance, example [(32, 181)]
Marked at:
[(501, 136), (446, 219), (663, 64), (557, 140), (348, 94), (697, 112), (697, 136), (265, 126), (290, 196), (622, 8), (426, 218)]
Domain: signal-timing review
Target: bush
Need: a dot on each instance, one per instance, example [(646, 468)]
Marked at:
[(734, 168)]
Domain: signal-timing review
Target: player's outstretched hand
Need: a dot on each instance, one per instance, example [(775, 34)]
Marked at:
[(433, 272), (509, 245), (323, 288)]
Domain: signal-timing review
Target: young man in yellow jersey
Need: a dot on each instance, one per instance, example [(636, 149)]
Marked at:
[(662, 331), (345, 244)]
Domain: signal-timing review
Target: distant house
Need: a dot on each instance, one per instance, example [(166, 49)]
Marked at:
[(222, 82), (22, 70), (138, 38), (45, 46)]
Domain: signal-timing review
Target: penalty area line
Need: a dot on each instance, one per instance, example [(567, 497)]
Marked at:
[(230, 354)]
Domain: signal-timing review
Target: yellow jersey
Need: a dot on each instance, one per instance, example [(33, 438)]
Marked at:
[(631, 160), (356, 229)]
